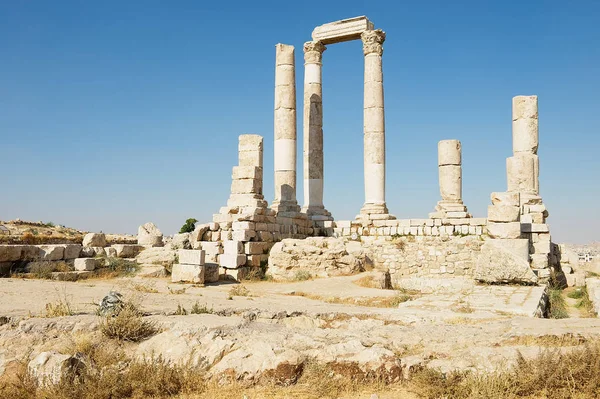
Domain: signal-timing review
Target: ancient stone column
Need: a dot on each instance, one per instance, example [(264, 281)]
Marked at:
[(523, 166), (374, 125), (450, 179), (285, 130), (313, 132), (450, 170)]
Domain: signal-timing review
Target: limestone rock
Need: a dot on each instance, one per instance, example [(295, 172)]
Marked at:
[(317, 256), (497, 264), (72, 251), (52, 252), (149, 234), (181, 241), (10, 253), (85, 264), (94, 240), (126, 250), (50, 368), (157, 256), (184, 273)]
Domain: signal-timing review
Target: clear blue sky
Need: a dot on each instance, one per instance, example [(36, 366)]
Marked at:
[(116, 113)]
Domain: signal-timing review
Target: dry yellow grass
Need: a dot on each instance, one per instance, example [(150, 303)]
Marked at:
[(239, 290), (373, 302)]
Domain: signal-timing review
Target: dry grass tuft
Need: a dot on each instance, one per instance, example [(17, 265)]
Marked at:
[(372, 302), (302, 275), (558, 307), (148, 289), (128, 325), (175, 291), (61, 307), (201, 309), (367, 282), (239, 290), (546, 340)]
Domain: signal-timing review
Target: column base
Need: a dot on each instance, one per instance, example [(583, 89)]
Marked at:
[(374, 212), (285, 207), (450, 210), (317, 213)]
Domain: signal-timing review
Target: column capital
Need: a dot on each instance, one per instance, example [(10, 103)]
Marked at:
[(373, 41), (313, 52)]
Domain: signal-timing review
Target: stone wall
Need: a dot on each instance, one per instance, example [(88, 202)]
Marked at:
[(409, 227)]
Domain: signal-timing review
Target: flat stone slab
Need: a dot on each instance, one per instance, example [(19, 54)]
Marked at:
[(342, 31), (501, 299)]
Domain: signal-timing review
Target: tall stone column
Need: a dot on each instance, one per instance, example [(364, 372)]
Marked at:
[(523, 167), (374, 127), (285, 130), (450, 178), (313, 132)]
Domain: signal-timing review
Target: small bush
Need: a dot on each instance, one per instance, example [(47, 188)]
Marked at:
[(302, 275), (201, 309), (239, 290), (188, 226), (180, 311), (128, 325), (558, 307), (58, 309)]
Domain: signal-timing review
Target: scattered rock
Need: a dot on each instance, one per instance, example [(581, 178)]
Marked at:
[(94, 240), (317, 256), (181, 241), (150, 235), (157, 256), (85, 264), (497, 264), (50, 368)]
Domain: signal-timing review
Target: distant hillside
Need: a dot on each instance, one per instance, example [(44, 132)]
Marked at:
[(23, 232)]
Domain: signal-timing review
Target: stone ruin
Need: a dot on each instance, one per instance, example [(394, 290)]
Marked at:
[(248, 234), (450, 242)]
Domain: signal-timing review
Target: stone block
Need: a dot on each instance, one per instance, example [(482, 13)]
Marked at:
[(182, 273), (503, 213), (232, 261), (530, 199), (250, 158), (541, 247), (521, 173), (127, 250), (94, 240), (504, 230), (250, 142), (150, 235), (449, 152), (11, 253), (539, 261), (243, 226), (343, 224), (456, 215), (247, 172), (211, 272), (256, 248), (211, 248), (233, 247), (497, 264), (534, 228), (506, 198), (191, 257), (238, 274), (246, 186), (243, 235), (72, 251), (265, 236), (85, 264), (341, 31), (52, 252), (477, 221)]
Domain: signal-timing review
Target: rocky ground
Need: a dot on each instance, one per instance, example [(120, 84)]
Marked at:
[(249, 331)]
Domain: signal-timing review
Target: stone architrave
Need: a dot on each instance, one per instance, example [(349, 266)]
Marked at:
[(313, 132), (285, 130), (374, 124)]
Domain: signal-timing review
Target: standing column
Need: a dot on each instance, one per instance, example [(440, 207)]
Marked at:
[(374, 127), (285, 130), (523, 166), (450, 178), (313, 132)]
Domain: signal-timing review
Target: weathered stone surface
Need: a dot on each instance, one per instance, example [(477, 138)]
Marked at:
[(127, 250), (504, 230), (191, 257), (496, 264), (149, 234), (232, 260), (187, 273), (181, 241), (317, 256), (341, 31), (211, 272), (52, 252), (49, 368), (10, 253), (503, 213), (72, 251), (159, 256), (449, 152), (94, 240), (506, 199), (85, 264)]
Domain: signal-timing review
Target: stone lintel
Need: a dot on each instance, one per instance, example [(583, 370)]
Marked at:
[(342, 31)]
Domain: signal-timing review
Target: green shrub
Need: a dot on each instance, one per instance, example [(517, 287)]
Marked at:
[(188, 227)]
